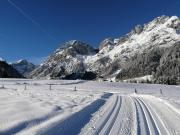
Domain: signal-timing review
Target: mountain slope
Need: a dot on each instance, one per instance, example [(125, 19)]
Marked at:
[(162, 32), (67, 62), (24, 67), (134, 55)]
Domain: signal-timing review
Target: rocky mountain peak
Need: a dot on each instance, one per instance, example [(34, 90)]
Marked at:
[(23, 61), (164, 21), (173, 22), (75, 47), (108, 42)]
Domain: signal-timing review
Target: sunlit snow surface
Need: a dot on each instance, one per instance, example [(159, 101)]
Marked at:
[(31, 107)]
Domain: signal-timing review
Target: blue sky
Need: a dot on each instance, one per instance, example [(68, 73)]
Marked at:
[(33, 29)]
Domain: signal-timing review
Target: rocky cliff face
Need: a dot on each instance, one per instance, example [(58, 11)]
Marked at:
[(136, 54), (7, 71), (67, 62)]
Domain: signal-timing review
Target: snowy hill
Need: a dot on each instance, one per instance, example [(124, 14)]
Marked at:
[(24, 67), (77, 60)]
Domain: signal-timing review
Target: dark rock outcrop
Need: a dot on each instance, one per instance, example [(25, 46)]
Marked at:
[(7, 71)]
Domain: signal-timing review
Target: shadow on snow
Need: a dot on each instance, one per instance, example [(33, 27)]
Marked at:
[(73, 124)]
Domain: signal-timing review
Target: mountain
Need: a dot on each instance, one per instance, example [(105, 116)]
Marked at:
[(7, 71), (24, 67), (139, 53), (67, 62)]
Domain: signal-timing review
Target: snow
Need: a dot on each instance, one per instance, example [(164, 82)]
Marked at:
[(72, 42), (139, 79), (112, 78), (95, 108), (170, 20), (116, 40), (19, 61), (36, 106)]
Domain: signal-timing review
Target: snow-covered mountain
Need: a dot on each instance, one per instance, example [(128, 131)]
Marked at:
[(66, 62), (24, 67), (149, 41)]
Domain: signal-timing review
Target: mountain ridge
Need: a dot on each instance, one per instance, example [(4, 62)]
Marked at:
[(75, 58)]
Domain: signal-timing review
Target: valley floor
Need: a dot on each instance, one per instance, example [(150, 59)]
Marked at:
[(59, 107)]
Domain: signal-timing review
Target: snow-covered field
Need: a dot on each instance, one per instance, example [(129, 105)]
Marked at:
[(29, 107)]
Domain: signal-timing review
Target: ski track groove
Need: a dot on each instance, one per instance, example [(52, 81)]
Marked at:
[(119, 120), (107, 117), (167, 117), (153, 128), (141, 119), (109, 124), (123, 122), (163, 130)]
